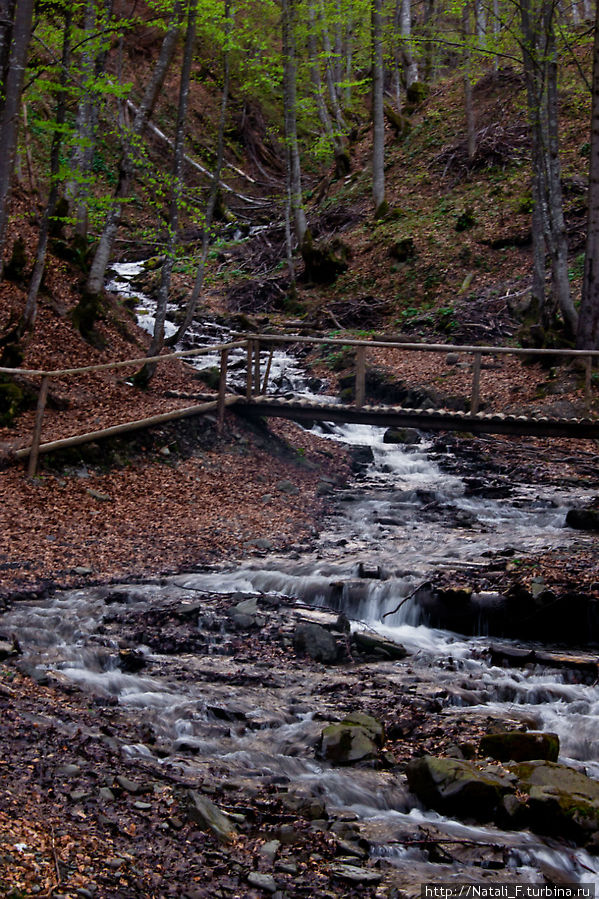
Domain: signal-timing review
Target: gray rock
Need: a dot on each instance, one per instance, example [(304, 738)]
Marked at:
[(406, 436), (379, 646), (453, 786), (316, 642), (131, 786), (6, 650), (356, 739), (288, 487), (205, 813), (520, 746), (269, 850), (264, 882), (68, 771), (562, 800), (353, 874)]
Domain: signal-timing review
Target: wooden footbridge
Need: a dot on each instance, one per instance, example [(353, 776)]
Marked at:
[(260, 398)]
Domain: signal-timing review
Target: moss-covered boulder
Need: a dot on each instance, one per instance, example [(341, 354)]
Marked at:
[(562, 801), (357, 738), (521, 746), (324, 260), (457, 787)]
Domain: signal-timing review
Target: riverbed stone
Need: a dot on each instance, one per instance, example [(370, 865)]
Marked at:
[(264, 882), (373, 644), (288, 487), (406, 436), (209, 817), (316, 642), (357, 738), (520, 746), (583, 519), (562, 800), (354, 874), (454, 786)]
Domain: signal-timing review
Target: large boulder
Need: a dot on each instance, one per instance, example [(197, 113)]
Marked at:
[(457, 787), (562, 800), (520, 746), (583, 519), (316, 642)]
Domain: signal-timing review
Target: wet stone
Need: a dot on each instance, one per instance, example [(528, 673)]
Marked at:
[(264, 882)]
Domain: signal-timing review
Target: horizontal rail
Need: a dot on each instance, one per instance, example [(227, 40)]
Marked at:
[(125, 427), (107, 366), (423, 420), (422, 347)]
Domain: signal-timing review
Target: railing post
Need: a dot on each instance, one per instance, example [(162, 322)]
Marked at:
[(37, 428), (267, 372), (360, 376), (588, 373), (475, 384), (248, 387), (222, 391), (256, 366)]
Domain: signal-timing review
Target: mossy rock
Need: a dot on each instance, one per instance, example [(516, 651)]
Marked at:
[(14, 269), (562, 800), (417, 93), (403, 249), (399, 122), (357, 738), (453, 786), (324, 260), (520, 746), (12, 400), (85, 315)]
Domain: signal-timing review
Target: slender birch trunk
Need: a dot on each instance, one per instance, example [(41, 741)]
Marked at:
[(378, 142), (290, 107), (30, 312), (157, 342), (95, 281), (192, 303)]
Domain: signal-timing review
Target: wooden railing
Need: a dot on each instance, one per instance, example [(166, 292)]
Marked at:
[(257, 383), (270, 340)]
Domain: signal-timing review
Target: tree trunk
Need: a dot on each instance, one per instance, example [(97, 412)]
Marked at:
[(540, 69), (92, 67), (560, 278), (213, 193), (16, 33), (587, 337), (30, 312), (410, 65), (157, 341), (290, 108), (378, 143), (329, 74), (467, 63), (95, 281)]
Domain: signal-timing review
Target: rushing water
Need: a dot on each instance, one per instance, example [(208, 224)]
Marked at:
[(405, 518)]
